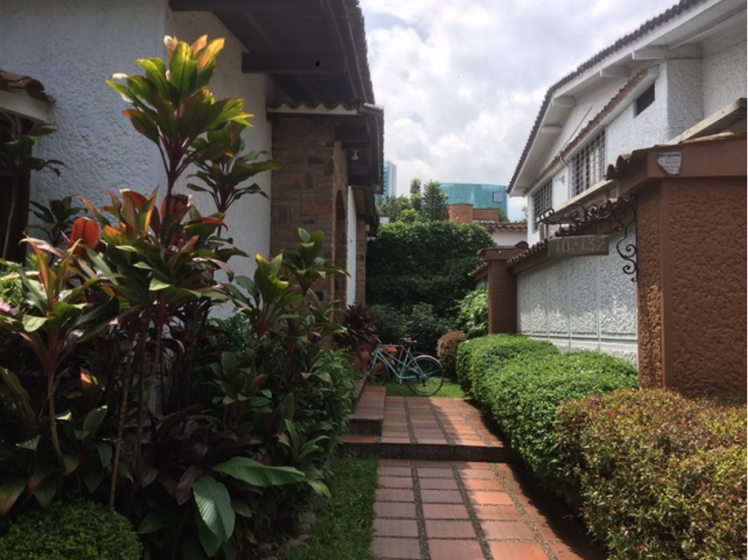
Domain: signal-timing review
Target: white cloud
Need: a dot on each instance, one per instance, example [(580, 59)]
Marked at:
[(462, 81)]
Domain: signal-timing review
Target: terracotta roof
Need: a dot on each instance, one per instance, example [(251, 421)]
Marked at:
[(644, 29), (503, 226), (539, 247), (590, 126), (15, 82)]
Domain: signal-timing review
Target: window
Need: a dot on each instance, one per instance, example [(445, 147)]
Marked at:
[(644, 100), (588, 165), (542, 200)]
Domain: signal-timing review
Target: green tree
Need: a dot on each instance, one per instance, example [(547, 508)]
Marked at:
[(392, 207), (502, 216), (415, 194), (434, 202), (426, 262)]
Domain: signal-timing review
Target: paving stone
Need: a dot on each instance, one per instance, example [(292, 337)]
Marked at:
[(498, 513), (395, 509), (395, 482), (441, 497), (483, 484), (445, 511), (438, 484), (427, 472), (502, 530), (515, 550), (395, 528), (393, 471), (394, 495), (455, 550), (449, 529), (478, 473), (486, 498), (404, 549)]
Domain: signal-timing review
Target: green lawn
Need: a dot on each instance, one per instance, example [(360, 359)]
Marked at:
[(450, 389), (344, 522)]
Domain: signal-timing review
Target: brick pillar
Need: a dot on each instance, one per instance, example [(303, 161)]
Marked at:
[(691, 258), (313, 169), (502, 290)]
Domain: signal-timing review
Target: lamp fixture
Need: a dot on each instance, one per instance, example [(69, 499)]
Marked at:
[(354, 157)]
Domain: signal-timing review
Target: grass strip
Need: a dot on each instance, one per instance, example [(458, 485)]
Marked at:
[(450, 389), (344, 522)]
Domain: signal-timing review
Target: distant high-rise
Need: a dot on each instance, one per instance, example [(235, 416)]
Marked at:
[(478, 194), (390, 179)]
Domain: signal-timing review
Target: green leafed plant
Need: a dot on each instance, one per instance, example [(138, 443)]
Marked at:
[(16, 159)]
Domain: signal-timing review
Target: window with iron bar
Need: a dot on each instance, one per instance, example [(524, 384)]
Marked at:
[(542, 200), (588, 165)]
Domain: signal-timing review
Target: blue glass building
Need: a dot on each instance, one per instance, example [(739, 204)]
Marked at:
[(389, 179), (478, 194)]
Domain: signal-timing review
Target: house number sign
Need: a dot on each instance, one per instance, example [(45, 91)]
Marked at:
[(578, 246)]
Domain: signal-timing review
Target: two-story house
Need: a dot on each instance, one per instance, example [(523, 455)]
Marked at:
[(677, 74)]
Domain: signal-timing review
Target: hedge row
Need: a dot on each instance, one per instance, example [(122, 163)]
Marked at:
[(660, 476)]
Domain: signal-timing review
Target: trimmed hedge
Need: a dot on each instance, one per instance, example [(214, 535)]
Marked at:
[(661, 476), (81, 530), (523, 396), (446, 351), (477, 356)]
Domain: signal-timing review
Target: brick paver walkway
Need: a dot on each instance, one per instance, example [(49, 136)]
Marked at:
[(438, 510), (457, 509)]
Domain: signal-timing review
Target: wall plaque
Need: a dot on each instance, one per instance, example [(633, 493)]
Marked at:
[(578, 246), (670, 162)]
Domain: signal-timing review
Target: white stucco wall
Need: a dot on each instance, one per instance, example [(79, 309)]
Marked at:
[(724, 77), (249, 218), (72, 46), (351, 253), (584, 303), (508, 238)]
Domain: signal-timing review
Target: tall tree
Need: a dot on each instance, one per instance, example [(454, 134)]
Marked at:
[(415, 194), (434, 203), (392, 207)]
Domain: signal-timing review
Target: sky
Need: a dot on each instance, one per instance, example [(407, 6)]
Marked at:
[(462, 81)]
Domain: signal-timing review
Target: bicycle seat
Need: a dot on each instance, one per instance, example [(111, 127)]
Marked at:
[(408, 342)]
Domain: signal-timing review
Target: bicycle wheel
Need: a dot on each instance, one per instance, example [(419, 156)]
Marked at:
[(427, 378)]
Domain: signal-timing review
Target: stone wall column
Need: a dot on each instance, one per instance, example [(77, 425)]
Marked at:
[(502, 290)]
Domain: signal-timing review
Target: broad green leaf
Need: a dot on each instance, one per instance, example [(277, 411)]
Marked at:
[(94, 419), (214, 504), (154, 521), (71, 462), (9, 492), (31, 323), (105, 454), (210, 542), (30, 444), (92, 476), (257, 474), (157, 285)]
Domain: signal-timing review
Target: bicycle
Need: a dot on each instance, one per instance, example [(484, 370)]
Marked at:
[(423, 374)]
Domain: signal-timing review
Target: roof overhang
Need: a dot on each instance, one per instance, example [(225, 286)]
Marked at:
[(25, 97), (678, 32), (315, 50)]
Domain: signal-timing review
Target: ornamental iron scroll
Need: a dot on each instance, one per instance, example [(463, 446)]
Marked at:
[(621, 211)]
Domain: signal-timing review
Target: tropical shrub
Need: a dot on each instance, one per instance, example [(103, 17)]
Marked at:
[(472, 313), (134, 399), (81, 529), (522, 396), (478, 356), (659, 475), (427, 262), (419, 322), (446, 351)]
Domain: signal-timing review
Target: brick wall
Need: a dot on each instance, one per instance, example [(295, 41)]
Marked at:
[(313, 170)]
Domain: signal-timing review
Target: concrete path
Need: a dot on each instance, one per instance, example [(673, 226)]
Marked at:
[(450, 489)]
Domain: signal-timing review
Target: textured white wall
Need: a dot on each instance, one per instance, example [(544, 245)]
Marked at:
[(249, 218), (685, 104), (72, 46), (508, 238), (724, 77), (584, 303), (351, 255)]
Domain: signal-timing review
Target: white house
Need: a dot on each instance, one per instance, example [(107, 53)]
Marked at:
[(301, 69), (685, 67)]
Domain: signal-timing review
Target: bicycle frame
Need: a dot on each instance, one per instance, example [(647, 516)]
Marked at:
[(400, 363)]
